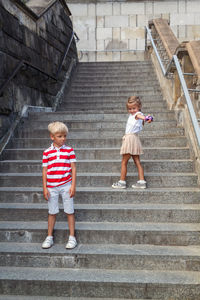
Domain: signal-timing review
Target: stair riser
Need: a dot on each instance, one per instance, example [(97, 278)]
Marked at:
[(102, 134), (104, 181), (112, 83), (84, 236), (146, 100), (44, 143), (112, 105), (106, 197), (28, 154), (100, 289), (104, 125), (95, 116), (114, 93), (93, 166), (100, 261), (103, 215)]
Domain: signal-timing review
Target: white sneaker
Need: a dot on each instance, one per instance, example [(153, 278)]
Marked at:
[(48, 242), (139, 185), (72, 243), (119, 185)]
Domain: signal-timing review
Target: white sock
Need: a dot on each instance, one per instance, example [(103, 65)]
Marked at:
[(50, 236), (122, 181), (141, 181)]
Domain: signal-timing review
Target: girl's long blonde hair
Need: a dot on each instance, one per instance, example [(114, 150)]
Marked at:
[(134, 100)]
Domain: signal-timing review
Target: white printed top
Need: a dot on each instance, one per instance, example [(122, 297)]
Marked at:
[(133, 125)]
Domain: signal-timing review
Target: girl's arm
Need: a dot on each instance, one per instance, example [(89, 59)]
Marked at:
[(142, 117), (44, 180), (72, 189)]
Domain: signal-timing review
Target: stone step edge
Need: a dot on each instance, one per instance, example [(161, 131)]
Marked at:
[(104, 226), (100, 275), (125, 206), (98, 249), (21, 297), (100, 149), (107, 189), (103, 174), (37, 161)]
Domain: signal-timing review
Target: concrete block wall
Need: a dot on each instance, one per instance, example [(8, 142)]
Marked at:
[(103, 26)]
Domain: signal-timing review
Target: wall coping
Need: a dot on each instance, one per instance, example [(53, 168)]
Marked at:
[(194, 53), (36, 9)]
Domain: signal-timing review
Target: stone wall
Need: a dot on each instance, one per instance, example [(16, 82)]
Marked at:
[(120, 24), (42, 43)]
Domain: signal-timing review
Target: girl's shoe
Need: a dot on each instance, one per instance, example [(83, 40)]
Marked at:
[(119, 185), (72, 243), (139, 185), (48, 242)]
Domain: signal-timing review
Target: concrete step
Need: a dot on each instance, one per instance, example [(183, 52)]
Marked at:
[(100, 125), (97, 153), (146, 99), (126, 93), (68, 104), (104, 179), (130, 233), (173, 213), (15, 297), (73, 115), (91, 283), (26, 166), (102, 133), (94, 256), (107, 195), (118, 89), (117, 81), (99, 143)]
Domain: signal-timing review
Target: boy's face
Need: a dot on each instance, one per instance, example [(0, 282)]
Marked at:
[(59, 139)]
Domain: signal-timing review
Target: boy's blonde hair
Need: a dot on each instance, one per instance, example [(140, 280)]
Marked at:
[(56, 127), (134, 100)]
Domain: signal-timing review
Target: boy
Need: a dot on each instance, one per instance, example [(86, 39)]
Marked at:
[(59, 178)]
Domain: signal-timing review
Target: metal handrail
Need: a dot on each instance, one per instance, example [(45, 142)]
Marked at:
[(24, 62), (182, 81)]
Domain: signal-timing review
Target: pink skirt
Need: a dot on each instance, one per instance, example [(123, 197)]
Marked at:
[(131, 144)]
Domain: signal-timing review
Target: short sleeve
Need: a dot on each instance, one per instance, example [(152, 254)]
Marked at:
[(72, 156), (44, 160)]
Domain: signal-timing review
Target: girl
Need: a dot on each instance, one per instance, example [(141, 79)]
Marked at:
[(131, 145)]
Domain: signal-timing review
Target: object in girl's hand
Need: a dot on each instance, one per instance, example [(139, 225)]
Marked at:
[(148, 118)]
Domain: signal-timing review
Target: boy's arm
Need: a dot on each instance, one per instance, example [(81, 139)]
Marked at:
[(72, 190), (44, 180)]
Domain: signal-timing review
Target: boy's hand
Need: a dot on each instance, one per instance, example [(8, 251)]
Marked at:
[(72, 191), (46, 194)]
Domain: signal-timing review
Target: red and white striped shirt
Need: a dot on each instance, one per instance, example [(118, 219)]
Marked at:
[(58, 162)]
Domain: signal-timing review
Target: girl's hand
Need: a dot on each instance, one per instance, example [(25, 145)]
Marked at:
[(46, 194), (148, 119), (72, 191)]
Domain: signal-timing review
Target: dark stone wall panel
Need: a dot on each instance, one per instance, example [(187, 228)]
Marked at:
[(42, 44)]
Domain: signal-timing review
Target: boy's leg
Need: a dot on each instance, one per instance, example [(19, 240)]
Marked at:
[(51, 224), (53, 210), (71, 224)]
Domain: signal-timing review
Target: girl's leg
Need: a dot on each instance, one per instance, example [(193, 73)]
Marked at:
[(125, 159), (136, 159)]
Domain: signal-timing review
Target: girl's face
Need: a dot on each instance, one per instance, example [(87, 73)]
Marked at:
[(133, 108)]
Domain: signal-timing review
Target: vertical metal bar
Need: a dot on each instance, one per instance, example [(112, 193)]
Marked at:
[(188, 99), (156, 51)]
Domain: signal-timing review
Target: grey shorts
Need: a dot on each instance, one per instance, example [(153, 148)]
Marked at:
[(68, 203)]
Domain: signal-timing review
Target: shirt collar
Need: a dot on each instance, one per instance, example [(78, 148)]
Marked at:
[(55, 148)]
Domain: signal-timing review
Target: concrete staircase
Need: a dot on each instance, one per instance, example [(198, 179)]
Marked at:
[(133, 244)]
